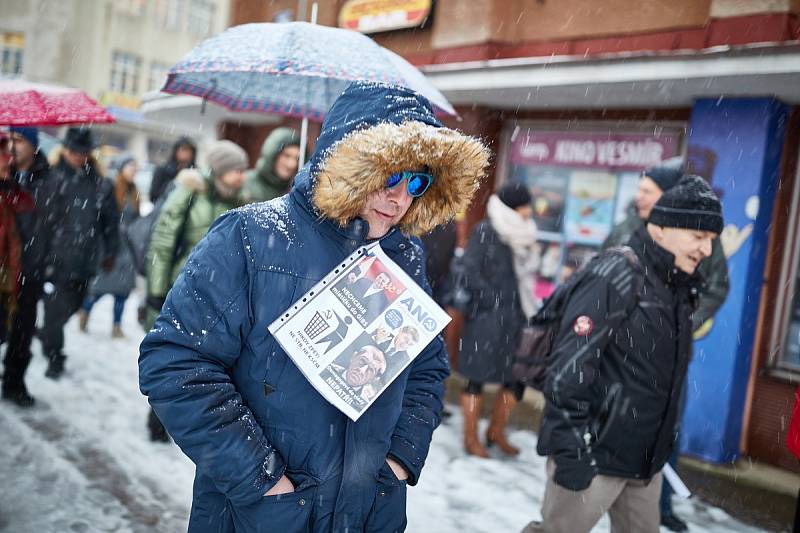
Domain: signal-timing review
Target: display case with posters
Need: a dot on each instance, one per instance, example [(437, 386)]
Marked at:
[(582, 184)]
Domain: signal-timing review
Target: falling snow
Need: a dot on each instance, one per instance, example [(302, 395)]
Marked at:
[(81, 460)]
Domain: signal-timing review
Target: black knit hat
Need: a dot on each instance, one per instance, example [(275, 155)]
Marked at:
[(514, 194), (667, 174), (691, 204), (79, 140)]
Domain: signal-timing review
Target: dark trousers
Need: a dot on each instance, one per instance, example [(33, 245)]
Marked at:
[(665, 503), (58, 308), (18, 352), (516, 388)]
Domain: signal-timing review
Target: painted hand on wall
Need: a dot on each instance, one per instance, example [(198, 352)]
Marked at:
[(732, 238)]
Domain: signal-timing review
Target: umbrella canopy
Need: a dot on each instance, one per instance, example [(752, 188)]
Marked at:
[(23, 103), (295, 69)]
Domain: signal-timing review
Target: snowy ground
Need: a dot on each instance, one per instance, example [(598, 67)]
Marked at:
[(81, 461)]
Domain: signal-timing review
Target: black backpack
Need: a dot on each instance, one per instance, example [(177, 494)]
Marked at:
[(139, 233), (533, 356)]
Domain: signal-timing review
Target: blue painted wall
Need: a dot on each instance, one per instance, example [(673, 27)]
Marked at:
[(740, 142)]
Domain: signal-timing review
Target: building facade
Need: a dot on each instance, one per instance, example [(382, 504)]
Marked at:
[(576, 98), (115, 50)]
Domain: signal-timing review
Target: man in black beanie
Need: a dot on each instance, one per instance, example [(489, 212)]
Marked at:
[(619, 364), (713, 271)]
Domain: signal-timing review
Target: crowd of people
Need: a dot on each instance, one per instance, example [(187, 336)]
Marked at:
[(64, 220), (221, 387)]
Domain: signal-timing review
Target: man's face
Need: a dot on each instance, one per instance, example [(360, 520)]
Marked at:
[(385, 209), (74, 159), (403, 340), (23, 150), (184, 155), (646, 197), (688, 246), (381, 281), (365, 365), (286, 163)]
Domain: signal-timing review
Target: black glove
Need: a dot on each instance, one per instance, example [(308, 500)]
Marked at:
[(574, 473), (155, 302)]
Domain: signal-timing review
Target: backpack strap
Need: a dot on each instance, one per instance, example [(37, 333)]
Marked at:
[(180, 245), (637, 273)]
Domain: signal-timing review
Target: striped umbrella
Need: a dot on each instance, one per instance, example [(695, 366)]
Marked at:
[(295, 69)]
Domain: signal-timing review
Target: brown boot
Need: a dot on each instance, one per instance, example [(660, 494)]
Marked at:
[(495, 434), (83, 320), (471, 404), (116, 332)]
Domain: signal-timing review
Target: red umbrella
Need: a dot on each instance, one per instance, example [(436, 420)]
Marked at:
[(23, 103)]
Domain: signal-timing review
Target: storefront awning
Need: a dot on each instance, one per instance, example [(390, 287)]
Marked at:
[(623, 80)]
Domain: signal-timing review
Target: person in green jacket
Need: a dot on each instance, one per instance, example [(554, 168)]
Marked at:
[(275, 169), (714, 271), (193, 205)]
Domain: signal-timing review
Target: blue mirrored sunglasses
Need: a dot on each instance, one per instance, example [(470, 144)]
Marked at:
[(417, 182)]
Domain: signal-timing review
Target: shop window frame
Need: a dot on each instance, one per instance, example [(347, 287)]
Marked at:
[(580, 125), (775, 364)]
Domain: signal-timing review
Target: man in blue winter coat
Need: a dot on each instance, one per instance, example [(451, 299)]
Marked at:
[(271, 453)]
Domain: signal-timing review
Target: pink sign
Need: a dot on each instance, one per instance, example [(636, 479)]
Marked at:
[(593, 150)]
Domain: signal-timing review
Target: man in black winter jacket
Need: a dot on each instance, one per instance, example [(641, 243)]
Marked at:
[(86, 233), (620, 359), (31, 171)]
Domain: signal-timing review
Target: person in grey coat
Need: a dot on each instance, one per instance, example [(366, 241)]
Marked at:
[(499, 263), (121, 280)]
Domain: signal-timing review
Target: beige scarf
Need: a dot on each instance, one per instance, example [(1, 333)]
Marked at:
[(520, 235)]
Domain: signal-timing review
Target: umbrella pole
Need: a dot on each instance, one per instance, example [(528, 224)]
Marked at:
[(303, 142), (304, 125)]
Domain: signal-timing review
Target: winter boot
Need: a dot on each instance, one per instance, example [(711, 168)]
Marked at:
[(55, 368), (116, 332), (83, 320), (18, 395), (503, 405), (673, 523), (157, 431), (471, 404)]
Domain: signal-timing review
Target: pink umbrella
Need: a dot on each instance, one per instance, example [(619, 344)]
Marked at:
[(23, 103)]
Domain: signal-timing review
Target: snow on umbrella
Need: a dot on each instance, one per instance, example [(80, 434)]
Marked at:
[(23, 103), (295, 69)]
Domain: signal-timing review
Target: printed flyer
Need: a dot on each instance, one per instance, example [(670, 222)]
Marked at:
[(356, 330)]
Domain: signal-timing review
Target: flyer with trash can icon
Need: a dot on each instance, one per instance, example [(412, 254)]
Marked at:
[(357, 329)]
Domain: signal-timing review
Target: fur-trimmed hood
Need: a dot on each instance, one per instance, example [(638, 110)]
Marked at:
[(374, 130)]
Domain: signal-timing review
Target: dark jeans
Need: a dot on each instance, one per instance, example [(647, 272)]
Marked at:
[(517, 389), (58, 308), (18, 352), (119, 305), (666, 489)]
